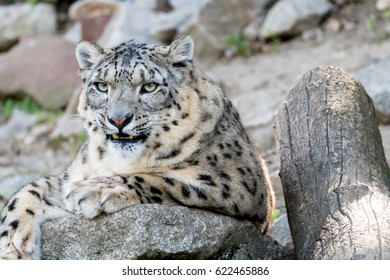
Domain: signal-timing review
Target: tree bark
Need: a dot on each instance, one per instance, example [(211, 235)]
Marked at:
[(335, 177)]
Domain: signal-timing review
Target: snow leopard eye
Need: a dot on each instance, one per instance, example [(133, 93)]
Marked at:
[(101, 87), (149, 87)]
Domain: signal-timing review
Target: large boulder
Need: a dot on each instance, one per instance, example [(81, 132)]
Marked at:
[(216, 20), (291, 17), (43, 67), (154, 231), (25, 19), (164, 20)]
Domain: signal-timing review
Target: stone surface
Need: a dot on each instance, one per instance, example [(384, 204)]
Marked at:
[(12, 184), (291, 17), (157, 5), (208, 21), (152, 231), (66, 126), (382, 5), (280, 231), (17, 126), (375, 79), (73, 34), (252, 29), (24, 19), (333, 25), (15, 129), (70, 124), (168, 24), (216, 20), (385, 132), (129, 21), (194, 5), (43, 67)]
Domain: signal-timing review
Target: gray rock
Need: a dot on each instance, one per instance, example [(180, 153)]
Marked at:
[(25, 19), (154, 231), (157, 5), (264, 4), (3, 119), (73, 34), (208, 21), (193, 4), (280, 231), (129, 21), (252, 29), (385, 133), (12, 184), (2, 202), (216, 20), (291, 17), (67, 125), (375, 79), (333, 25), (70, 124), (382, 5), (168, 24), (18, 125), (43, 67)]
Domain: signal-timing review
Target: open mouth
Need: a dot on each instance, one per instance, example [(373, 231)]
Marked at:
[(126, 138)]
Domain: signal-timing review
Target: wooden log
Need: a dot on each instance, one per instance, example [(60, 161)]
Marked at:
[(335, 177)]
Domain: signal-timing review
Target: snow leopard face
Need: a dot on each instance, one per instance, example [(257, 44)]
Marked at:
[(131, 93)]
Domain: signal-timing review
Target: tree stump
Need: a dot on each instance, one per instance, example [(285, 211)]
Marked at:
[(335, 177)]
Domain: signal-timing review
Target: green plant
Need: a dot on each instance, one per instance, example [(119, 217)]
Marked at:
[(46, 115), (275, 43), (27, 104), (370, 22), (275, 214), (386, 13), (81, 137), (237, 43), (32, 2)]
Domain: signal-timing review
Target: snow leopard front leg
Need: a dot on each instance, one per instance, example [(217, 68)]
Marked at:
[(102, 194), (55, 197), (92, 197), (21, 218)]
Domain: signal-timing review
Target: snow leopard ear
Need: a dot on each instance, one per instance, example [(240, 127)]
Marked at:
[(88, 54), (182, 49)]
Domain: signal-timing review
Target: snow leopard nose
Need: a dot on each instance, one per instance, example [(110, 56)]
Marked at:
[(121, 122)]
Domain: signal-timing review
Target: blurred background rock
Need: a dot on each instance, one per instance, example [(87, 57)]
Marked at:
[(255, 49)]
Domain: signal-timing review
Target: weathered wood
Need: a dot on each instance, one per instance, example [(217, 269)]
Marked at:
[(334, 173)]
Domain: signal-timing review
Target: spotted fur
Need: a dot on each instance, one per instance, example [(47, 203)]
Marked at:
[(159, 131)]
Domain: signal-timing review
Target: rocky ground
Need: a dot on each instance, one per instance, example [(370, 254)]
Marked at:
[(356, 38)]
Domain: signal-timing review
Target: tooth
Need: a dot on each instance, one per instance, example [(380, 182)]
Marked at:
[(115, 136)]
